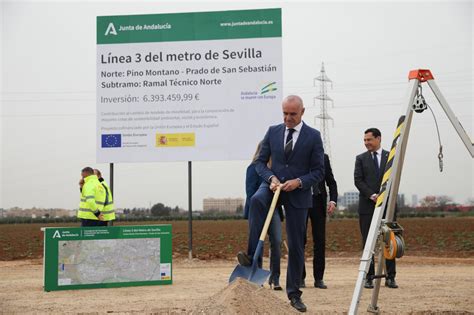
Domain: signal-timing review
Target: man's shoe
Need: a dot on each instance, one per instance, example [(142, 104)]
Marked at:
[(320, 284), (369, 284), (244, 259), (302, 284), (391, 283), (275, 286), (298, 304)]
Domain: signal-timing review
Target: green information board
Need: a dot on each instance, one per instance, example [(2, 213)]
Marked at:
[(191, 26), (107, 257)]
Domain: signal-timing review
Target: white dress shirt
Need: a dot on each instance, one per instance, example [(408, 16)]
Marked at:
[(295, 135)]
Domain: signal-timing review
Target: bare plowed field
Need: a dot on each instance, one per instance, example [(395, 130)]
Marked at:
[(440, 237)]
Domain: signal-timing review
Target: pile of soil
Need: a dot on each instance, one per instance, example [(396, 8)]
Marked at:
[(244, 297)]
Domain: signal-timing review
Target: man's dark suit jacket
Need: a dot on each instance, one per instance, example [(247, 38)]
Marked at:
[(328, 180), (366, 180), (306, 162)]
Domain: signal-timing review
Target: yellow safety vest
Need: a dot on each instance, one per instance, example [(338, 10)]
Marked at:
[(92, 198), (108, 211)]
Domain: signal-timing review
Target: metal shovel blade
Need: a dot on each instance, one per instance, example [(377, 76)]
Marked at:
[(258, 276), (252, 273)]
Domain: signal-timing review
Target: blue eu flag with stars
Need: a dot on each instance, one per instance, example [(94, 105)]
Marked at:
[(112, 141)]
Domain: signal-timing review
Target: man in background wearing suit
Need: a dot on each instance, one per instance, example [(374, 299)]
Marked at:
[(368, 174), (317, 214), (297, 157)]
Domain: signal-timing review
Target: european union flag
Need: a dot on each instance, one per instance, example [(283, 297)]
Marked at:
[(112, 141)]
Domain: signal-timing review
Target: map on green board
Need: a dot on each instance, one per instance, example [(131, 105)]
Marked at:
[(98, 257), (107, 261)]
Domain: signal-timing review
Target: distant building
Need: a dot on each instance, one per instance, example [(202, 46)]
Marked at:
[(414, 200), (352, 197), (229, 205), (401, 200), (39, 213), (349, 198)]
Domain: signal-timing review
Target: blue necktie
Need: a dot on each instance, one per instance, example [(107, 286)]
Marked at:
[(289, 143), (376, 164)]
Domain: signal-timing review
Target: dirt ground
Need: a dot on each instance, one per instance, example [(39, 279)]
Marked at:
[(427, 286), (222, 239)]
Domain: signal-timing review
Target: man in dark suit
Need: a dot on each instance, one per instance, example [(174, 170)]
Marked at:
[(297, 164), (317, 214), (368, 174)]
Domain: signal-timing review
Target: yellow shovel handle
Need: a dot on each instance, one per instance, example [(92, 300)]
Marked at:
[(270, 213)]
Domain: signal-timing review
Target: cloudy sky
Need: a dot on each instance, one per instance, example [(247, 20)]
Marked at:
[(48, 79)]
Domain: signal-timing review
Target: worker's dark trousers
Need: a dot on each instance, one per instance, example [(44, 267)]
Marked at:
[(87, 222), (317, 215), (295, 229)]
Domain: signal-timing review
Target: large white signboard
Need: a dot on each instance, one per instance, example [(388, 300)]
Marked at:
[(187, 86)]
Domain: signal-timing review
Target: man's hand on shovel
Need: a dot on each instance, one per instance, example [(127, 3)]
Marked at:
[(291, 184), (274, 183)]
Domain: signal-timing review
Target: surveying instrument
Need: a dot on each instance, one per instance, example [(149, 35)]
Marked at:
[(385, 234)]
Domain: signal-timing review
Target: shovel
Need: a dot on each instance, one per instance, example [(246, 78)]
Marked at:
[(253, 273)]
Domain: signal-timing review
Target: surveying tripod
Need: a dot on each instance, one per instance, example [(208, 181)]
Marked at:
[(384, 234)]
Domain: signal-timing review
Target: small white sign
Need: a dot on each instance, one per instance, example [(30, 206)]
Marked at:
[(165, 271)]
